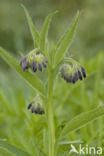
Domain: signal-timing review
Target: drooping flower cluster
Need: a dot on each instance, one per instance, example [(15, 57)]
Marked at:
[(72, 74), (34, 60), (36, 107)]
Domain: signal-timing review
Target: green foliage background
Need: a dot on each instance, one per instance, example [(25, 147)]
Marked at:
[(17, 125)]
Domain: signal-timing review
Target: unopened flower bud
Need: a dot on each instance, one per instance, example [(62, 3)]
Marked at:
[(39, 67), (29, 105), (24, 63), (83, 72), (32, 110), (42, 112), (79, 75), (74, 81), (34, 66), (75, 77)]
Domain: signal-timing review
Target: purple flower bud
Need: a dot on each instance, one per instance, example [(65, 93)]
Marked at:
[(79, 75), (83, 72), (75, 77), (42, 112), (29, 105), (23, 60), (24, 67), (40, 67), (44, 65), (24, 63), (32, 110), (74, 81), (34, 67)]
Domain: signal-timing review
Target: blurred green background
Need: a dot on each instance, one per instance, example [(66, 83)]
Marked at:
[(15, 35), (88, 48)]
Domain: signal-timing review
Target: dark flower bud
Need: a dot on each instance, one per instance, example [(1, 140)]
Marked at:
[(79, 75), (42, 112), (44, 65), (34, 66), (24, 63), (32, 110), (75, 77), (83, 72), (39, 67), (74, 81), (29, 105)]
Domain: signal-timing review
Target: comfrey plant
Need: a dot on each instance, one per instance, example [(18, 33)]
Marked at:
[(55, 62), (42, 57)]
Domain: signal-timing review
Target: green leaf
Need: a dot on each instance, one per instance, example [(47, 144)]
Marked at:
[(82, 120), (4, 102), (32, 79), (13, 149), (33, 30), (44, 32), (66, 40)]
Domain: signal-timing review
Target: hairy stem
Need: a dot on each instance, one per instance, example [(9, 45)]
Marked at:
[(51, 115)]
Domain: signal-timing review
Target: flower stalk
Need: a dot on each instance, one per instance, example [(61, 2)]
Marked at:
[(50, 114)]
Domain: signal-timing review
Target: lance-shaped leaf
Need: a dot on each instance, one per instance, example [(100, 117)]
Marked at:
[(32, 79), (66, 40), (82, 120), (13, 149), (35, 34), (44, 32)]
